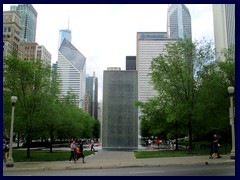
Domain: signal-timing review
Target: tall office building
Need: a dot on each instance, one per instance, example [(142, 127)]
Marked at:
[(28, 21), (130, 62), (11, 32), (28, 50), (179, 22), (120, 119), (43, 54), (33, 51), (224, 27), (100, 111), (149, 46), (54, 70), (64, 34), (92, 91), (71, 68)]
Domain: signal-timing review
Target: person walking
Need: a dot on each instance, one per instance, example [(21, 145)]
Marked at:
[(92, 145), (158, 143), (214, 147), (146, 141), (73, 149), (80, 151), (6, 150)]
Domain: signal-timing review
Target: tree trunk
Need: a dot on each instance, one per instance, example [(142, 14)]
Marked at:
[(51, 136), (176, 130), (190, 131), (18, 139), (28, 144)]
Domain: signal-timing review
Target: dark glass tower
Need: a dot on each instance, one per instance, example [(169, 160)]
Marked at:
[(130, 62), (92, 90)]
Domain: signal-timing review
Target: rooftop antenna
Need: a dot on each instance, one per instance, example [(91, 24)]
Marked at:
[(68, 20)]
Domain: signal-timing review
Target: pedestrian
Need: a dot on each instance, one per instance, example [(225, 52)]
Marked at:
[(6, 150), (158, 143), (92, 145), (149, 142), (80, 151), (73, 149), (146, 141), (214, 147)]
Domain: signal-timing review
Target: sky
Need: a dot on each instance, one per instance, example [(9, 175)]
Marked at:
[(106, 33)]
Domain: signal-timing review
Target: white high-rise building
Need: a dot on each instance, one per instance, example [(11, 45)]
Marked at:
[(71, 68), (149, 46), (224, 26), (179, 22)]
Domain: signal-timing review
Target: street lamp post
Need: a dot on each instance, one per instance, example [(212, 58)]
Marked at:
[(10, 162), (231, 114)]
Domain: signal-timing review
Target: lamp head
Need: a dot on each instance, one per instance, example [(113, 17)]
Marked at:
[(14, 99), (230, 90)]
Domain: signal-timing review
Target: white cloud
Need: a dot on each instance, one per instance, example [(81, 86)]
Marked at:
[(106, 33)]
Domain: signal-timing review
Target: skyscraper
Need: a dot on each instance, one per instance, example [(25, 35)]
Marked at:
[(179, 22), (149, 46), (29, 50), (130, 62), (28, 21), (224, 26), (64, 34), (43, 54), (92, 90), (11, 32), (71, 68)]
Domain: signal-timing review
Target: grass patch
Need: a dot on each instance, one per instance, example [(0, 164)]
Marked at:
[(43, 155), (171, 153)]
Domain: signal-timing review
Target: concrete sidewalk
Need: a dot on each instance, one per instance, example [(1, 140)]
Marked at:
[(115, 159)]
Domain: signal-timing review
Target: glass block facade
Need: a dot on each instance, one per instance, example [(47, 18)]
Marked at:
[(120, 115)]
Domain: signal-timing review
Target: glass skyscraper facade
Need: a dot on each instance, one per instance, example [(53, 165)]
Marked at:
[(130, 62), (64, 34), (179, 22), (92, 90), (28, 22)]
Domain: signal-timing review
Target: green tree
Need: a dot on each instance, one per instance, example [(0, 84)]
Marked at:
[(153, 118), (29, 81), (212, 108), (174, 74)]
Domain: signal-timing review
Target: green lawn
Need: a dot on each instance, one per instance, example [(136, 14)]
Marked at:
[(174, 153), (59, 155), (43, 155)]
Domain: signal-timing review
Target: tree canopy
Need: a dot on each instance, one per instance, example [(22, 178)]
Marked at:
[(39, 112), (192, 90)]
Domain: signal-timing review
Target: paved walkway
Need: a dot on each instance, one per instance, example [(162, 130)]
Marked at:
[(116, 159)]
